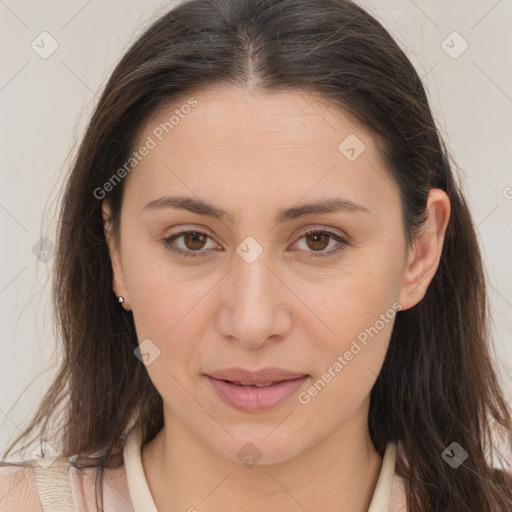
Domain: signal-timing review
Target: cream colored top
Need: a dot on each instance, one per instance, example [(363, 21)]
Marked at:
[(56, 486)]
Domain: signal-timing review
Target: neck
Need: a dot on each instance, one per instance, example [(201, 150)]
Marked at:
[(339, 474)]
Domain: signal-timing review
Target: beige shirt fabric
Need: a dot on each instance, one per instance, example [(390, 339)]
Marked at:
[(388, 496), (125, 489)]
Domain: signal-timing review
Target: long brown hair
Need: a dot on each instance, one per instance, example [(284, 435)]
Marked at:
[(437, 384)]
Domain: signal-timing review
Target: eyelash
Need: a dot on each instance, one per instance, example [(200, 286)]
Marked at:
[(342, 243)]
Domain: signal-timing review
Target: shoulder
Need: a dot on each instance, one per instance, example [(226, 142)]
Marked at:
[(18, 489), (36, 485), (33, 486)]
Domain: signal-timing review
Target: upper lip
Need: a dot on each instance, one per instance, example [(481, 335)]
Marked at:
[(256, 377)]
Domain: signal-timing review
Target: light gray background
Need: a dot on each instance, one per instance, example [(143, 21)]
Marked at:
[(45, 104)]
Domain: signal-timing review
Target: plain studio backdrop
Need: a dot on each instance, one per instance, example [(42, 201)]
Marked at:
[(56, 57)]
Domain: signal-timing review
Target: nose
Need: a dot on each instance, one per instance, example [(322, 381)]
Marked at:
[(255, 303)]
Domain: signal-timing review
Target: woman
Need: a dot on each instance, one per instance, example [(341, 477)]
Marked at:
[(268, 284)]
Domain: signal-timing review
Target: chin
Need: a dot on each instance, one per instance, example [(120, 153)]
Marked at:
[(258, 446)]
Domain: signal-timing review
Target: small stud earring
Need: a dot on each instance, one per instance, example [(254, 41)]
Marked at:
[(120, 299)]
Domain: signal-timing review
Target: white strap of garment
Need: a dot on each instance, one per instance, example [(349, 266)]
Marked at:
[(54, 486), (140, 495), (382, 492)]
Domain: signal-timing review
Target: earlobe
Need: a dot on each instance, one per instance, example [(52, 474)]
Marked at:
[(425, 252), (118, 282)]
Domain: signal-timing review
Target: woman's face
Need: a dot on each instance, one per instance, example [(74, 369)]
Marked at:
[(253, 289)]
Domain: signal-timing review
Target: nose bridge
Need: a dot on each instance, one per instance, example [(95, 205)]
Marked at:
[(254, 306), (252, 285)]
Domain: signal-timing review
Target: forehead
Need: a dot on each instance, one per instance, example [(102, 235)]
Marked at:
[(249, 144), (256, 117)]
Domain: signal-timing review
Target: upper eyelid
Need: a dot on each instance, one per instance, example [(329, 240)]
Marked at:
[(184, 231), (300, 235)]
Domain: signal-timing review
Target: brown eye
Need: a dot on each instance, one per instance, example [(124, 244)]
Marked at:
[(317, 241), (192, 243), (194, 240)]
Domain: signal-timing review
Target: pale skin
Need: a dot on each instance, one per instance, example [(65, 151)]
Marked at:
[(252, 154)]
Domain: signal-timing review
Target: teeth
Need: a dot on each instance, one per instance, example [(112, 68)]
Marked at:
[(263, 385)]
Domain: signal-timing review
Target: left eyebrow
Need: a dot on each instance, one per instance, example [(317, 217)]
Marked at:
[(201, 207), (325, 206)]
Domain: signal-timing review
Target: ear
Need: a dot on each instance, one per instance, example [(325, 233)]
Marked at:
[(118, 281), (425, 252)]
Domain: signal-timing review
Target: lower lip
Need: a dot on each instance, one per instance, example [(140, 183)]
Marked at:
[(253, 399)]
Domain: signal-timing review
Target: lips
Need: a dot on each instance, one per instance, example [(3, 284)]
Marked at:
[(255, 391), (261, 377)]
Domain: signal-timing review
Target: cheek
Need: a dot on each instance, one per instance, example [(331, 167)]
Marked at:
[(356, 295), (349, 361), (357, 307), (155, 287), (168, 306)]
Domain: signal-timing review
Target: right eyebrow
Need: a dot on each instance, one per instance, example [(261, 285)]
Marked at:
[(200, 207)]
